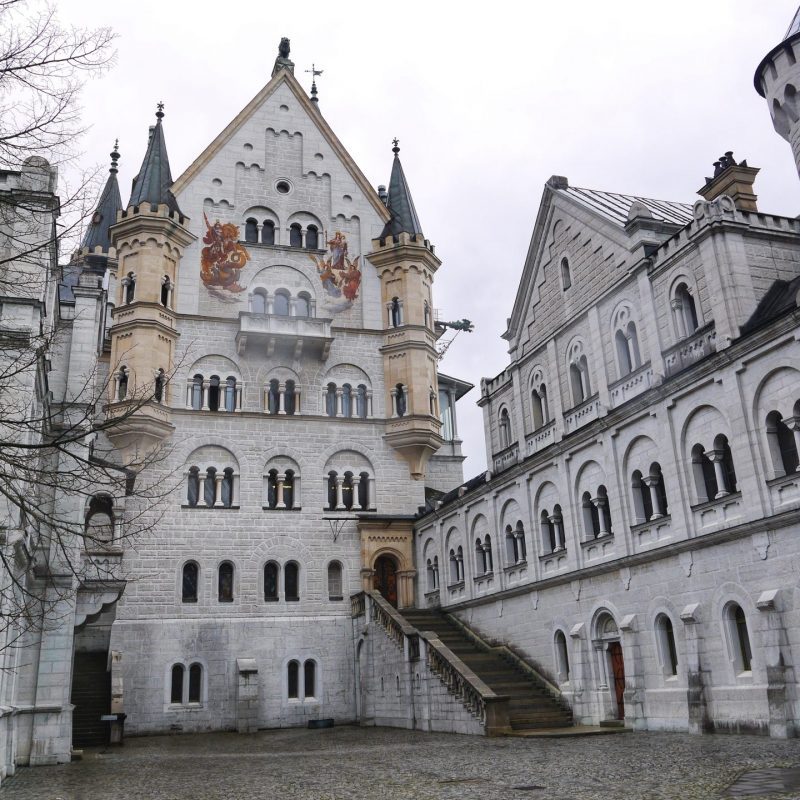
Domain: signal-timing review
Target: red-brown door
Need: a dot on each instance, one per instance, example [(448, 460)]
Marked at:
[(618, 674), (385, 580)]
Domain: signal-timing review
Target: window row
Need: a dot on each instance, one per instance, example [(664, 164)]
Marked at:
[(166, 290), (279, 582), (281, 303), (263, 232)]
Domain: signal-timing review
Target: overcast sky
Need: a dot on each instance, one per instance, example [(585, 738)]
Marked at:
[(488, 100)]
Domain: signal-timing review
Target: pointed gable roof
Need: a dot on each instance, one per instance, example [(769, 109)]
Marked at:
[(400, 203), (153, 184), (105, 215), (283, 76)]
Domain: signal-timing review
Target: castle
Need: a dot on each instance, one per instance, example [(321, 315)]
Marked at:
[(263, 328)]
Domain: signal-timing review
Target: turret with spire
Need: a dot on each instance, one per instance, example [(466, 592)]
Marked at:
[(406, 264), (150, 236), (777, 79)]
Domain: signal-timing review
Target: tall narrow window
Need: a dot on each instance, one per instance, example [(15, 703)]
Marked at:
[(591, 517), (230, 394), (214, 393), (705, 478), (782, 446), (268, 232), (302, 305), (258, 302), (347, 400), (480, 558), (251, 231), (130, 287), (280, 305), (273, 397), (158, 387), (225, 582), (666, 645), (623, 354), (226, 494), (193, 489), (722, 450), (361, 401), (293, 679), (562, 657), (330, 400), (739, 637), (394, 313), (195, 683), (362, 499), (312, 237), (291, 582), (189, 582), (210, 495), (566, 277), (334, 581), (309, 679), (289, 398), (401, 400), (504, 428), (270, 581), (537, 409), (295, 236), (197, 392), (166, 290), (176, 684), (122, 384), (683, 304)]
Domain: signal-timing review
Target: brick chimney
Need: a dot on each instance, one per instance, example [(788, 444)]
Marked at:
[(734, 180)]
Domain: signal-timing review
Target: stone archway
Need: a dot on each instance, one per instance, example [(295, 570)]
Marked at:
[(610, 665), (385, 578)]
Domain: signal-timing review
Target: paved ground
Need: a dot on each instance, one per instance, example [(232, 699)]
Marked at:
[(379, 763)]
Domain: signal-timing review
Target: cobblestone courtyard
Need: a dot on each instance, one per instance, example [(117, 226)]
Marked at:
[(351, 762)]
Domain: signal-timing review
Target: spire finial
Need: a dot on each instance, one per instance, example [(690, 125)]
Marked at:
[(114, 157), (314, 72), (396, 143), (160, 110)]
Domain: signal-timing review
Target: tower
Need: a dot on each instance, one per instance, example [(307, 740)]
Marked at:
[(777, 80), (149, 237), (406, 263)]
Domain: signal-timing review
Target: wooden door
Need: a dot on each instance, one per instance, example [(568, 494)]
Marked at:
[(385, 580), (618, 676)]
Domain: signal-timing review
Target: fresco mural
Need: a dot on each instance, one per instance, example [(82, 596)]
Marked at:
[(222, 260), (340, 276)]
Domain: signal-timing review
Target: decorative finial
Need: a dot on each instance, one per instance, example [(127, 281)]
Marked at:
[(114, 157), (160, 111), (314, 72), (396, 148)]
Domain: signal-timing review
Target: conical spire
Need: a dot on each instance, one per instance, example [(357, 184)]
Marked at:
[(404, 215), (105, 215), (152, 184)]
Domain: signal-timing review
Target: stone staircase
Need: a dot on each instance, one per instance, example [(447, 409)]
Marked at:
[(531, 704)]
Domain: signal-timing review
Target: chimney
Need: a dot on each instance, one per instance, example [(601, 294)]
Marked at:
[(734, 180)]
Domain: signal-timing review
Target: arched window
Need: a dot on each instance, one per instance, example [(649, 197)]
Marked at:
[(293, 679), (623, 354), (225, 582), (197, 392), (290, 398), (230, 393), (363, 491), (566, 277), (591, 517), (722, 458), (334, 581), (347, 407), (158, 386), (210, 494), (302, 305), (562, 656), (227, 487), (122, 384), (549, 541), (291, 581), (166, 291), (129, 285), (312, 237), (176, 683), (195, 683), (454, 570), (685, 311), (487, 550), (400, 395), (538, 407), (280, 304), (295, 235), (332, 504), (431, 576), (705, 479), (579, 380), (361, 401), (668, 653), (258, 302), (347, 491), (310, 679), (251, 231), (481, 561), (213, 393), (193, 491), (557, 521), (603, 510), (271, 570), (189, 582), (268, 232), (273, 397), (739, 638), (504, 428), (782, 445), (99, 522), (330, 400), (395, 315)]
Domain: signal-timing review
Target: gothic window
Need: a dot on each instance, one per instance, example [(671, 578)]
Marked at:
[(312, 237), (562, 656), (291, 581), (225, 582), (738, 638), (668, 653), (99, 523), (280, 304), (189, 582), (268, 232), (782, 445), (293, 680), (158, 386), (295, 236), (504, 429), (122, 383), (395, 316), (335, 581), (302, 305), (309, 679), (566, 277), (400, 399), (685, 311), (271, 571), (361, 401), (129, 287), (258, 302), (214, 393), (166, 291), (623, 354), (176, 683), (195, 683), (197, 392), (330, 400), (251, 231), (230, 393)]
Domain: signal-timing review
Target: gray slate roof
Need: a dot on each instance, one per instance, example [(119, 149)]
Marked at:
[(105, 214), (152, 184), (401, 206), (615, 207), (795, 25)]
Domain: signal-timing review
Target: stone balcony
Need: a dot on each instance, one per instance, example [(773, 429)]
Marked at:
[(296, 336), (694, 348), (540, 438), (631, 385), (582, 414), (506, 458)]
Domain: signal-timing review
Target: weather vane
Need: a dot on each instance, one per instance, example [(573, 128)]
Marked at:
[(314, 72)]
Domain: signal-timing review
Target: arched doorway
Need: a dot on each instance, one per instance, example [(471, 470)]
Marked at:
[(610, 663), (385, 579)]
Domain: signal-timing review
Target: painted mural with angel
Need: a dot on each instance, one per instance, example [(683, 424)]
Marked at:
[(222, 259), (340, 275)]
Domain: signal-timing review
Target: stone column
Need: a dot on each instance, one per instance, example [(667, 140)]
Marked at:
[(189, 389), (201, 489), (558, 526), (297, 400), (599, 504), (218, 478), (356, 484), (677, 308), (371, 493), (281, 398), (393, 393), (652, 485), (204, 402), (238, 403), (280, 480), (453, 425), (794, 424), (715, 457), (339, 499), (338, 401), (370, 412)]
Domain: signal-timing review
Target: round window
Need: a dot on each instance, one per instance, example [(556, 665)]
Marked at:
[(283, 187)]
